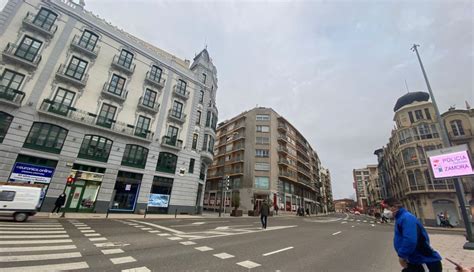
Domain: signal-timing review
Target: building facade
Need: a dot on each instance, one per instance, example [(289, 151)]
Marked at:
[(90, 110), (265, 158), (344, 205), (404, 159), (361, 179)]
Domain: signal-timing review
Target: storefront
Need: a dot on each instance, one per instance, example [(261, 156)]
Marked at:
[(125, 194), (160, 195), (81, 193), (33, 170)]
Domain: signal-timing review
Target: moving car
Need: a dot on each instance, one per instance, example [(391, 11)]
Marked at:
[(19, 201)]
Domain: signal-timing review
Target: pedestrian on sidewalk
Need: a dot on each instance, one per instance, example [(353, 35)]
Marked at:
[(385, 214), (276, 209), (411, 241), (264, 212), (59, 202)]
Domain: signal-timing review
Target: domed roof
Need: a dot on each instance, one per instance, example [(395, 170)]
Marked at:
[(409, 98)]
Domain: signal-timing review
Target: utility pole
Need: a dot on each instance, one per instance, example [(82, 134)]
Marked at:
[(446, 143)]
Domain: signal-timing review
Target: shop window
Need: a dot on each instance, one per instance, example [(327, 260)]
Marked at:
[(46, 137), (95, 148), (135, 156), (166, 162), (125, 192), (5, 121), (161, 189)]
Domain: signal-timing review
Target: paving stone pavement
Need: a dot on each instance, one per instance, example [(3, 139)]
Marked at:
[(451, 246)]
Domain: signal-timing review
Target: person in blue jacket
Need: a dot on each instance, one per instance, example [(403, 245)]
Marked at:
[(411, 241)]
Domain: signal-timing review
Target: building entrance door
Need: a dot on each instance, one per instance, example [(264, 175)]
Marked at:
[(73, 193)]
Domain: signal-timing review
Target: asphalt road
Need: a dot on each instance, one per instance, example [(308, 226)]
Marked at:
[(290, 243)]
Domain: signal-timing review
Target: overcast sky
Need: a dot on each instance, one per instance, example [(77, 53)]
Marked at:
[(334, 69)]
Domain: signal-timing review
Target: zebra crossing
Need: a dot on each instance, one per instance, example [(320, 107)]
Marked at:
[(39, 246)]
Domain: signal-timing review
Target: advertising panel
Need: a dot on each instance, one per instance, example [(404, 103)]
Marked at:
[(450, 162), (158, 200), (23, 172)]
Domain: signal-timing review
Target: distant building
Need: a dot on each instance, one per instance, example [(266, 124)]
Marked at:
[(361, 180), (343, 205)]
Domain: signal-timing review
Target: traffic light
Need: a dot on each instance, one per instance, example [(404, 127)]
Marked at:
[(70, 180), (227, 183)]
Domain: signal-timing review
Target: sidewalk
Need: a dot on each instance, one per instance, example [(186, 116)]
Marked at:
[(450, 246)]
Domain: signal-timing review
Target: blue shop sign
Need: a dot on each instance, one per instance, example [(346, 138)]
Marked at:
[(23, 172)]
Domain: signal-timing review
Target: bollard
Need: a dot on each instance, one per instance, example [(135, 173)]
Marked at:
[(107, 214), (175, 213), (146, 210)]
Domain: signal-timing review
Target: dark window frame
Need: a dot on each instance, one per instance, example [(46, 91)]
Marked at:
[(59, 107), (46, 137), (135, 156), (125, 58), (191, 165), (43, 18), (76, 70), (95, 147), (167, 162), (149, 98), (24, 51), (177, 109), (88, 40), (103, 118), (5, 122), (117, 84), (156, 73), (143, 126)]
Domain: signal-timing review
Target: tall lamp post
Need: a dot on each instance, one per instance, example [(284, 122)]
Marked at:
[(446, 143)]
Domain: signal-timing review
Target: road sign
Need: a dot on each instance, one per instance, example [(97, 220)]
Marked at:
[(450, 162)]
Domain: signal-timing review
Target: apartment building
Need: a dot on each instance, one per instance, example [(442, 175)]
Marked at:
[(326, 191), (265, 158), (88, 109), (361, 180), (406, 171)]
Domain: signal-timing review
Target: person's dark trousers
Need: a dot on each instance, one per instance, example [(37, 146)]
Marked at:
[(432, 267), (56, 208), (263, 218)]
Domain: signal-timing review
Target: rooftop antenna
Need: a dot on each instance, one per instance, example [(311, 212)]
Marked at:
[(406, 85)]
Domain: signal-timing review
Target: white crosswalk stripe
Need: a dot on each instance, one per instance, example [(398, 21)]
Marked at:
[(47, 245)]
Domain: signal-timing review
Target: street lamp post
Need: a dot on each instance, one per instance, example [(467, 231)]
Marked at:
[(444, 136)]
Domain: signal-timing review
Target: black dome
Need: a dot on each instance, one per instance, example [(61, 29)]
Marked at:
[(410, 98)]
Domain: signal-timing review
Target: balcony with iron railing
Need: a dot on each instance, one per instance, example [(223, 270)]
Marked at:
[(11, 96), (437, 187), (69, 113), (467, 134), (84, 47), (180, 92), (207, 155), (288, 175), (282, 127), (176, 116), (114, 94), (148, 106), (121, 64), (10, 54), (153, 80), (62, 74), (45, 30), (171, 142)]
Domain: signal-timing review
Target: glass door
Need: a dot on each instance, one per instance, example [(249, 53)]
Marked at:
[(73, 197)]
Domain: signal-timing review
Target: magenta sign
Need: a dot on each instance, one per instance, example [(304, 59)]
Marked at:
[(450, 165)]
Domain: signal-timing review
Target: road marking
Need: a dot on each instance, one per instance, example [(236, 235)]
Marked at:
[(83, 228), (372, 222), (40, 248), (112, 251), (146, 229), (358, 220), (204, 248), (222, 228), (138, 226), (91, 234), (22, 242), (137, 269), (49, 267), (224, 255), (154, 231), (351, 220), (160, 227), (31, 225), (365, 221), (164, 234), (98, 239), (175, 238), (110, 244), (195, 236), (198, 223), (372, 225), (352, 226), (336, 233), (33, 236), (121, 260), (32, 232), (277, 251), (40, 257), (187, 243), (87, 231), (32, 228), (343, 222), (248, 264)]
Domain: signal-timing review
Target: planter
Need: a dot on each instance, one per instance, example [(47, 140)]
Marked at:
[(252, 213), (236, 213)]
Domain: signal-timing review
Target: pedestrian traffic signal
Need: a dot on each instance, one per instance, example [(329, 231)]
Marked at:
[(70, 180), (227, 183)]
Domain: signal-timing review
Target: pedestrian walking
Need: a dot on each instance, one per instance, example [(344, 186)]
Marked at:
[(385, 215), (59, 202), (264, 212), (411, 241), (276, 209), (307, 211)]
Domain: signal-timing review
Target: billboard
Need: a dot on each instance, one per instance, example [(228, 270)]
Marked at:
[(23, 172), (450, 162), (158, 200)]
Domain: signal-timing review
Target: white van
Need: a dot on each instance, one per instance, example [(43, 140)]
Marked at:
[(18, 201)]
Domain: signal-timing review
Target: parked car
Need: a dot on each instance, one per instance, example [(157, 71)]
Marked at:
[(19, 202)]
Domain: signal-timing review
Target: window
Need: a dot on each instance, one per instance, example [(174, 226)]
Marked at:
[(116, 84), (409, 156), (456, 126), (46, 137), (208, 144), (10, 84), (198, 120), (142, 127), (95, 148), (202, 172), (5, 121), (149, 98), (418, 115), (106, 115), (88, 40), (135, 156), (424, 131), (427, 114), (125, 59), (172, 135), (28, 48), (264, 153), (263, 117), (181, 87), (262, 183), (204, 77), (191, 165), (62, 101), (262, 140), (7, 195), (262, 166), (155, 73), (177, 109), (201, 96), (410, 115), (76, 68), (166, 162), (263, 129), (195, 141), (45, 19)]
